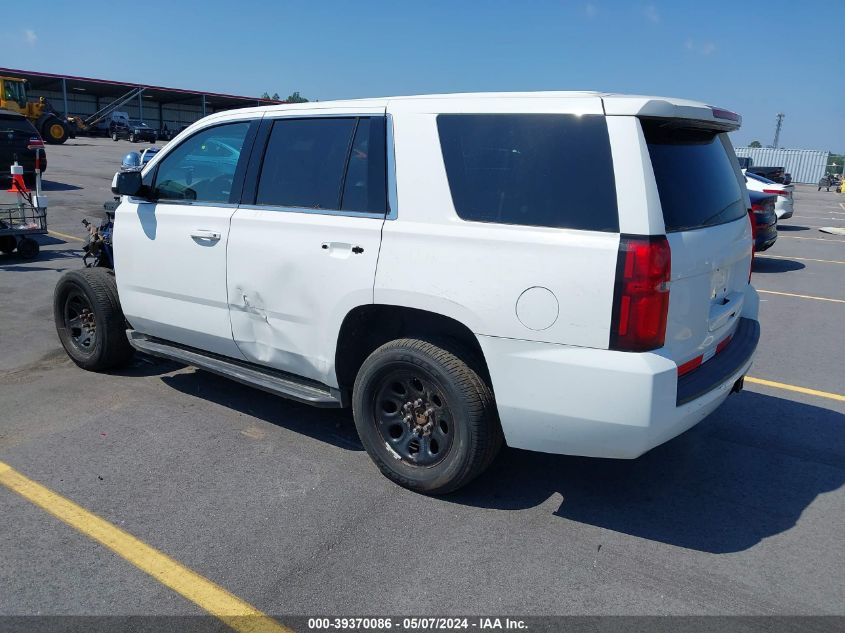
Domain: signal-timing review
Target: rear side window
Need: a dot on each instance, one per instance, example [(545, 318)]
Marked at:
[(552, 170), (695, 176), (325, 163)]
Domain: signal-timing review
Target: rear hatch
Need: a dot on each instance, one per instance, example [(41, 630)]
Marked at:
[(15, 135), (707, 225)]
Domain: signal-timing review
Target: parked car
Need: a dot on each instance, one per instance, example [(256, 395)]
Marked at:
[(775, 174), (19, 141), (764, 220), (421, 260), (132, 130), (167, 134), (785, 203)]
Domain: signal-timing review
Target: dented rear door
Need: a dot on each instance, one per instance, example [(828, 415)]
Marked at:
[(304, 245)]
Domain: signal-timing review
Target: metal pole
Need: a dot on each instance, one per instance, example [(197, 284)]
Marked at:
[(141, 105), (203, 104), (64, 93)]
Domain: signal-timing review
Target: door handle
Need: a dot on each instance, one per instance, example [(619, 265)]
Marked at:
[(202, 234)]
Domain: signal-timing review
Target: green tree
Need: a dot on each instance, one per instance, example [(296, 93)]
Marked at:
[(265, 95), (296, 98), (755, 144), (839, 161)]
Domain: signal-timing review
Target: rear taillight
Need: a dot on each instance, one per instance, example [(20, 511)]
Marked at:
[(641, 294), (35, 143), (777, 192)]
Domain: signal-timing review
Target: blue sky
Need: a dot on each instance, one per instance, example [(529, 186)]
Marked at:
[(758, 58)]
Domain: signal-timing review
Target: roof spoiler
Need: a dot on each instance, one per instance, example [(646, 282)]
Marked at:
[(702, 114)]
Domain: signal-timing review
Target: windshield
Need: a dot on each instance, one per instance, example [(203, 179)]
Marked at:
[(695, 176)]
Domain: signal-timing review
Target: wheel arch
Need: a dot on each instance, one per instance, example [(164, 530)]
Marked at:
[(367, 327)]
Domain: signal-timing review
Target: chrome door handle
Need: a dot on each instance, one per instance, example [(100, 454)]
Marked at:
[(202, 234)]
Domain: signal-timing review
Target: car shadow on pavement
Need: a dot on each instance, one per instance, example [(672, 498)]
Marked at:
[(763, 264), (744, 474), (12, 262), (334, 426), (792, 227), (52, 185)]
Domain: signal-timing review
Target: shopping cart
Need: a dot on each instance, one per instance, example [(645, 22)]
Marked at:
[(26, 217)]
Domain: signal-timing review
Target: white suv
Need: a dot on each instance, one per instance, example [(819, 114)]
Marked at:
[(567, 272)]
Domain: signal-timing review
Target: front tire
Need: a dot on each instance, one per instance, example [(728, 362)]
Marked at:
[(426, 418), (54, 131), (114, 136), (131, 138), (89, 320)]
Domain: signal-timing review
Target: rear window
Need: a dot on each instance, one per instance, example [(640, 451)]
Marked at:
[(695, 176), (551, 170), (17, 124), (759, 178)]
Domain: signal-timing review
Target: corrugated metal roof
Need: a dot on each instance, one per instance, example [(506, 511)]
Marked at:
[(805, 165)]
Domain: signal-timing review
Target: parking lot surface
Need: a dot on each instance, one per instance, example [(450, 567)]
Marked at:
[(277, 503)]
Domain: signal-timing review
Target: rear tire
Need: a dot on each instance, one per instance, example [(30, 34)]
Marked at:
[(7, 244), (89, 320), (28, 248), (425, 416), (131, 138), (114, 136)]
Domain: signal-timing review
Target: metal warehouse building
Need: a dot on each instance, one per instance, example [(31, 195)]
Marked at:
[(805, 165), (156, 105)]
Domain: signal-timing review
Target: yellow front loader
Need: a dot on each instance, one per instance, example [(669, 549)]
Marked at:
[(47, 121)]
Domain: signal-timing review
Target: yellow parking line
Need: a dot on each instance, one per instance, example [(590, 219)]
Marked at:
[(67, 237), (809, 392), (233, 611), (790, 294), (818, 239), (800, 259)]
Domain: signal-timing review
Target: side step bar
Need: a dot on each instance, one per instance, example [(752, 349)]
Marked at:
[(266, 379)]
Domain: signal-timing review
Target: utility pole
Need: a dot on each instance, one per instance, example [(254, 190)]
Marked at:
[(777, 129)]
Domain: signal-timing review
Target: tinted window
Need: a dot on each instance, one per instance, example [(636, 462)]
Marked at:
[(202, 167), (695, 176), (16, 124), (535, 169), (304, 163), (365, 187)]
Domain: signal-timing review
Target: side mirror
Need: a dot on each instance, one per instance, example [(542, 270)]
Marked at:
[(127, 183)]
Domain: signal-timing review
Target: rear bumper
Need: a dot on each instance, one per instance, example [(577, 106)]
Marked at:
[(602, 403)]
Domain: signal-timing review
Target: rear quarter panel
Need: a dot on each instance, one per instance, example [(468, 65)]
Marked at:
[(475, 272)]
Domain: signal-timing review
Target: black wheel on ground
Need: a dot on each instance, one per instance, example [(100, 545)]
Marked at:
[(131, 138), (53, 131), (425, 416), (28, 248), (7, 244), (89, 320), (114, 136)]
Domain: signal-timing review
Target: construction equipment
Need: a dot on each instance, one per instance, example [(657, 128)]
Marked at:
[(50, 124), (102, 120)]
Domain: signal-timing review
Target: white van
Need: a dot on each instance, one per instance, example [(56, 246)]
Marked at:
[(567, 272)]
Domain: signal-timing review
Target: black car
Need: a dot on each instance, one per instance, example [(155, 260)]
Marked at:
[(133, 131), (18, 141), (764, 220), (775, 174)]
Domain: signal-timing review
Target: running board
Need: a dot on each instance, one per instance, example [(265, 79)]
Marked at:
[(270, 380)]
